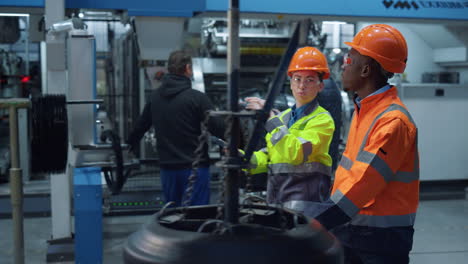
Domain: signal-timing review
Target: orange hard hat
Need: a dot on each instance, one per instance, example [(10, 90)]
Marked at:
[(383, 43), (309, 58)]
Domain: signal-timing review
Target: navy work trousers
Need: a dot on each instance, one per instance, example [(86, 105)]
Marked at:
[(174, 183)]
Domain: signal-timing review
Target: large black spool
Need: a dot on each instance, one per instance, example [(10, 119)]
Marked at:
[(264, 234), (49, 141)]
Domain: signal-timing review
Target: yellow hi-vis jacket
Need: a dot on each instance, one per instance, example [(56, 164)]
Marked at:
[(296, 158)]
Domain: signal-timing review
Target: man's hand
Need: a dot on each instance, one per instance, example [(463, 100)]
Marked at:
[(255, 103)]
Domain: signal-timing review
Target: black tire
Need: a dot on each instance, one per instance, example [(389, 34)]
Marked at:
[(262, 240)]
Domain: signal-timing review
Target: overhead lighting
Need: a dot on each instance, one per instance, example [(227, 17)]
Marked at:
[(334, 22), (97, 13), (336, 50), (14, 14)]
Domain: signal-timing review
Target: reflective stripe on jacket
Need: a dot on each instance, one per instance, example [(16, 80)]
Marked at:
[(296, 158), (377, 181)]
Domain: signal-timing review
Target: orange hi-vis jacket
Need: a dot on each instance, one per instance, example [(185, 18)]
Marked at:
[(377, 181)]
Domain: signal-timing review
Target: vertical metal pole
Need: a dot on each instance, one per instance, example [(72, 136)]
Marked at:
[(57, 83), (16, 187), (43, 54), (23, 143), (231, 207), (141, 104), (26, 43)]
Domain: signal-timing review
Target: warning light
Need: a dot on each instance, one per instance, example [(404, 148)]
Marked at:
[(25, 79)]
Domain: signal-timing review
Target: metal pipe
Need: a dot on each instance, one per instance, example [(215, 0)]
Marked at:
[(231, 204), (16, 181), (16, 190), (14, 102), (94, 101), (14, 137)]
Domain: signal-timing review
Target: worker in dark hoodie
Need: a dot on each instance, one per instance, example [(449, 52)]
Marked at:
[(176, 112)]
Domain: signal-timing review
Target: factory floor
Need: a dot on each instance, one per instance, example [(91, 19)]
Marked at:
[(441, 235), (441, 228)]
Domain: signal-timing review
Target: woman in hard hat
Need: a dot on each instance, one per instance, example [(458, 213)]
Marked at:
[(297, 141), (376, 189)]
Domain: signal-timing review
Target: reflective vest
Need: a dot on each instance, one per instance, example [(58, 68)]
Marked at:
[(377, 181), (296, 158)]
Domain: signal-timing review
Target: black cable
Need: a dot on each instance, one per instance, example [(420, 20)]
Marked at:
[(115, 180)]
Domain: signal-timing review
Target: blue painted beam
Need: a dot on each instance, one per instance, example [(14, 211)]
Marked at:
[(22, 3), (174, 8), (423, 9)]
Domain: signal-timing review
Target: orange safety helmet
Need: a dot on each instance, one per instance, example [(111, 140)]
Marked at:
[(309, 58), (383, 43)]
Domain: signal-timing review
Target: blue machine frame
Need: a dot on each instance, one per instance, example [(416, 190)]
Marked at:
[(88, 215), (425, 9)]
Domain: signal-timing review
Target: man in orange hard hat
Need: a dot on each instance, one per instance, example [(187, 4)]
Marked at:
[(376, 190)]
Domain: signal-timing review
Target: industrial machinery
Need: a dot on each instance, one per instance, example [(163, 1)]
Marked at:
[(95, 150), (64, 139), (14, 79), (183, 235), (262, 41)]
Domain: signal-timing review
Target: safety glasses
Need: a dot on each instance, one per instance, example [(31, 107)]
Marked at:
[(307, 81), (347, 60)]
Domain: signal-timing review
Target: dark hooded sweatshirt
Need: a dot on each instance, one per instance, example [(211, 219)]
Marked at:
[(176, 112)]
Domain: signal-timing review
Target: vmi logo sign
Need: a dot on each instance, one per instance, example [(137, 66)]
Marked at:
[(401, 4), (424, 4)]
